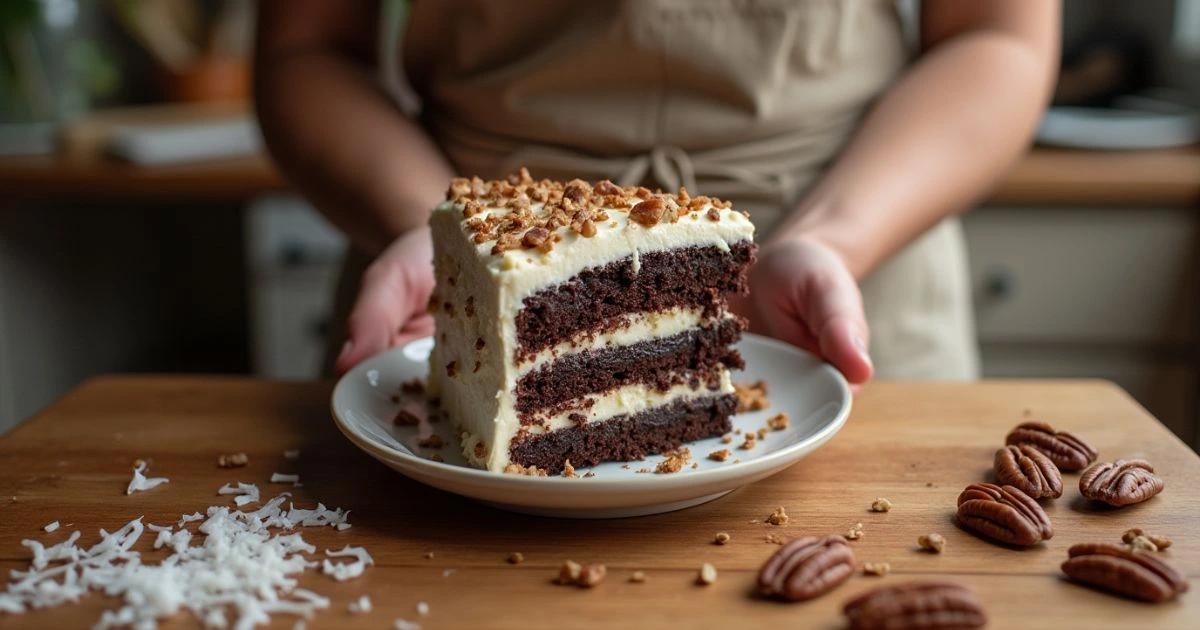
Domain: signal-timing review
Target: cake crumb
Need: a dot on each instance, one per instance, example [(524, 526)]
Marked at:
[(752, 397), (591, 575), (778, 517), (638, 577), (589, 474), (436, 457), (855, 532), (516, 558), (568, 469), (527, 471), (451, 368), (695, 465), (674, 462), (721, 538), (932, 542), (876, 568), (748, 443), (728, 439), (625, 466), (406, 418), (642, 471), (720, 456), (432, 440), (881, 505), (775, 539), (235, 460), (778, 422), (707, 574)]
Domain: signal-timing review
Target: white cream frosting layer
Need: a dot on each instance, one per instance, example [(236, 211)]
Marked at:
[(481, 401)]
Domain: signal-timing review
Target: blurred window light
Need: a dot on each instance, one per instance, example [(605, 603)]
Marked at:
[(1187, 27)]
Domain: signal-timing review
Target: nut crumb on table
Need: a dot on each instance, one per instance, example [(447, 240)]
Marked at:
[(1161, 542), (569, 572), (638, 577), (591, 575), (932, 542), (516, 557), (234, 460), (1142, 543), (855, 532), (774, 539), (707, 574), (721, 538), (876, 568), (778, 517), (881, 505)]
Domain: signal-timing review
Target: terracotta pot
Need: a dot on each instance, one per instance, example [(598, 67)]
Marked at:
[(210, 79)]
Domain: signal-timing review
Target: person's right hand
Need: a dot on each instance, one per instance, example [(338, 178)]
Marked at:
[(390, 309)]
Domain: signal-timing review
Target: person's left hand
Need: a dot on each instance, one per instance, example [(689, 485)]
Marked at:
[(802, 292)]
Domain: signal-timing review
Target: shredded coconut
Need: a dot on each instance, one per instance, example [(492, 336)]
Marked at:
[(346, 570), (422, 608), (246, 493), (292, 454), (242, 568), (361, 605), (50, 527), (404, 624), (141, 482), (284, 478)]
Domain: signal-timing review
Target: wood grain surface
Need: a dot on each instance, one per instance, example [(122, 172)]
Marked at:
[(916, 444)]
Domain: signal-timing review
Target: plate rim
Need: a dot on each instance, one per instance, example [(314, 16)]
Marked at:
[(467, 474)]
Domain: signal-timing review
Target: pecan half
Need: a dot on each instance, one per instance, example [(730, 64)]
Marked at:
[(1004, 514), (1123, 482), (916, 606), (1117, 569), (1027, 469), (806, 568), (1067, 452)]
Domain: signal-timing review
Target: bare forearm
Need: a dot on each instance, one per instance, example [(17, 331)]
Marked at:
[(366, 166), (935, 143)]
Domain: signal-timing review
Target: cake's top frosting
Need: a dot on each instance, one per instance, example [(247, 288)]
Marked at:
[(522, 213)]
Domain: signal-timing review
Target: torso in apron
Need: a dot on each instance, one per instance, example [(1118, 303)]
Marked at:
[(742, 99)]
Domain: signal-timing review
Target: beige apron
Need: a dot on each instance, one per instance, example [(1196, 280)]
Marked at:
[(747, 100)]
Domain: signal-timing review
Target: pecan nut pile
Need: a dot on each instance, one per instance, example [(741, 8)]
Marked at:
[(1120, 570), (1123, 482), (1029, 470), (1068, 452), (806, 568), (916, 606), (1004, 514)]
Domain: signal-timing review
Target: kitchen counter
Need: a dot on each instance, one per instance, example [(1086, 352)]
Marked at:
[(1043, 176), (916, 444)]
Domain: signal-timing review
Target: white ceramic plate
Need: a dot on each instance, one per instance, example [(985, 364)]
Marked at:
[(813, 394)]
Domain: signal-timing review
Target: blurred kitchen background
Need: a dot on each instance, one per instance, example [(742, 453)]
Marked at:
[(143, 230)]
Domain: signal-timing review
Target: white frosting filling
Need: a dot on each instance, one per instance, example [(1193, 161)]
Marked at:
[(481, 401)]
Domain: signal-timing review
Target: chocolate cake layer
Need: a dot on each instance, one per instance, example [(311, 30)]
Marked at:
[(593, 298), (659, 363), (626, 438)]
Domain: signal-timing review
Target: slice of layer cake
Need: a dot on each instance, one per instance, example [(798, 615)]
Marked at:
[(583, 323)]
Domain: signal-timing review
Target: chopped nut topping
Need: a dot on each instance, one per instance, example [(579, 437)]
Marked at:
[(778, 422), (516, 558), (855, 532), (714, 214), (431, 441), (748, 443), (569, 572), (1142, 543), (236, 460), (406, 418), (674, 462), (649, 212), (527, 471), (932, 542), (721, 538), (1161, 542), (752, 397), (568, 469), (535, 238), (881, 505), (876, 568), (778, 517), (638, 577), (592, 575), (707, 575)]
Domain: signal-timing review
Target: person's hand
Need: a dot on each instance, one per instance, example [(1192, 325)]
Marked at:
[(390, 309), (802, 292)]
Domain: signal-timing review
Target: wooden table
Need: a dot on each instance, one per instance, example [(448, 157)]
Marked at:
[(916, 444)]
